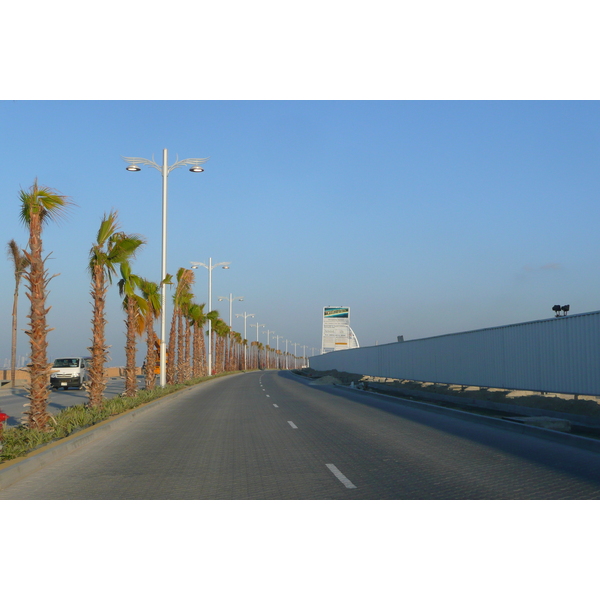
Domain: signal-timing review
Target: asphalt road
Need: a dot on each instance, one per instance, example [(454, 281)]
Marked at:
[(271, 435)]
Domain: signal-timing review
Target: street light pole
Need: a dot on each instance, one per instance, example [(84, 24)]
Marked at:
[(164, 169), (268, 332), (245, 315), (210, 267), (277, 337), (231, 299), (257, 325)]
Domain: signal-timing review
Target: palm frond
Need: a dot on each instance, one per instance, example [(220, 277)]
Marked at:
[(18, 257), (108, 227), (46, 202)]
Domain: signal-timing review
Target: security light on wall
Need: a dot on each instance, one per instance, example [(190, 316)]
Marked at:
[(565, 309)]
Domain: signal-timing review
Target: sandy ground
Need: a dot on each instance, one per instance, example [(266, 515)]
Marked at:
[(579, 405)]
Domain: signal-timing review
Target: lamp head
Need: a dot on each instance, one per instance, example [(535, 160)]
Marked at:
[(133, 168), (196, 169)]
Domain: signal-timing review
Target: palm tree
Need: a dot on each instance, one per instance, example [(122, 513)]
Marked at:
[(151, 293), (112, 248), (38, 206), (134, 306), (197, 318), (261, 363), (187, 322), (183, 338), (20, 264), (182, 295), (237, 361), (221, 330)]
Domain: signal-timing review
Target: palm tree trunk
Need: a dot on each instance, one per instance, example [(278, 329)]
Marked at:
[(98, 349), (180, 373), (150, 376), (130, 368), (37, 415), (195, 353), (188, 341), (202, 352), (171, 362), (13, 348)]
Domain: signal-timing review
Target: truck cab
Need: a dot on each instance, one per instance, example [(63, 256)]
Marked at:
[(69, 372)]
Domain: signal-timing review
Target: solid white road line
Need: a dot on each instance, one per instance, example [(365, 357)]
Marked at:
[(340, 476), (292, 425)]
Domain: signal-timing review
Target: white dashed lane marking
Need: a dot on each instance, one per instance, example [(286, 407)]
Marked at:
[(292, 425), (340, 475)]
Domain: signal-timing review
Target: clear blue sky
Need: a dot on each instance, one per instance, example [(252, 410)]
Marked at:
[(424, 217)]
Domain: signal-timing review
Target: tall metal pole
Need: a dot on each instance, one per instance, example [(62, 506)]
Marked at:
[(257, 325), (209, 321), (163, 275), (164, 171), (210, 267), (277, 360), (267, 348), (245, 315), (231, 300)]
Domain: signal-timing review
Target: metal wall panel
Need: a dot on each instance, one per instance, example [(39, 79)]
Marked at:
[(554, 355)]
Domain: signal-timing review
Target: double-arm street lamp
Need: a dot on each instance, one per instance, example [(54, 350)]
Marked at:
[(277, 337), (304, 356), (164, 169), (295, 357), (268, 347), (231, 300), (245, 315), (258, 326), (210, 267)]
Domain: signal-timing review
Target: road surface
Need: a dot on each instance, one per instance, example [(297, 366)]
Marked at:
[(271, 435)]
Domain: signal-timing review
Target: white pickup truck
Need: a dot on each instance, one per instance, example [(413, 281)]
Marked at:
[(70, 372)]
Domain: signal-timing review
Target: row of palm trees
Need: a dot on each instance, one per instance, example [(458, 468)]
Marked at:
[(112, 253)]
